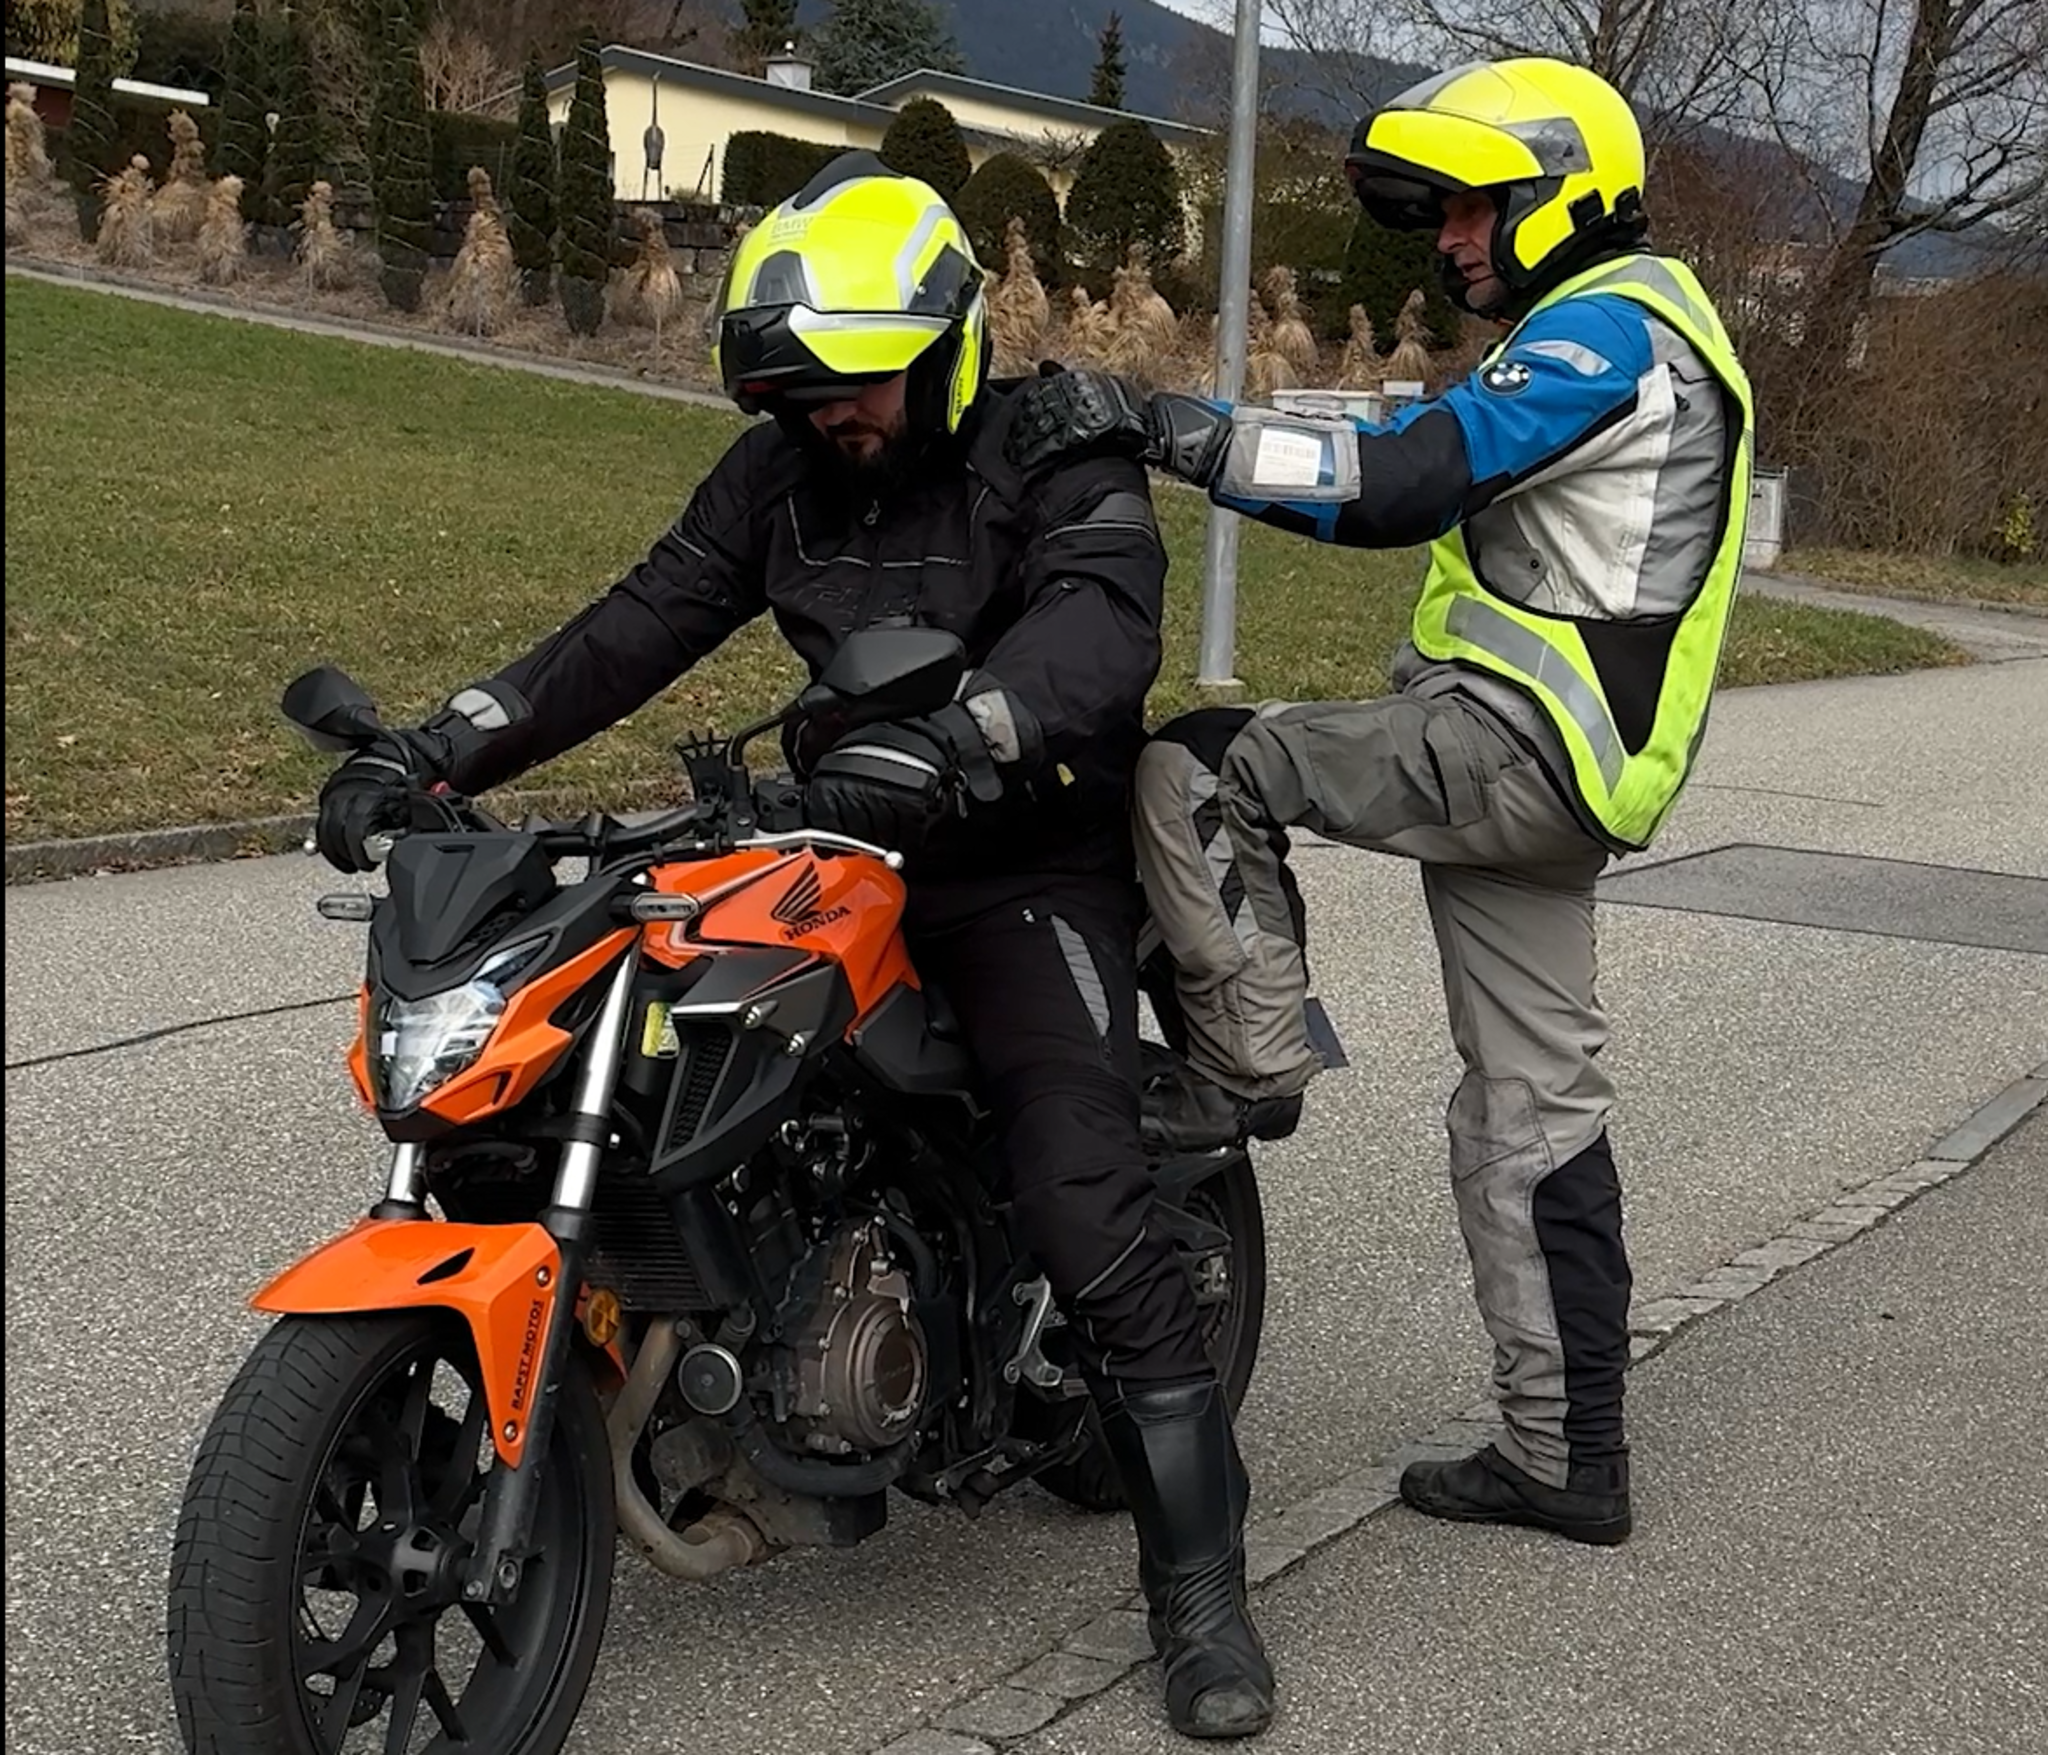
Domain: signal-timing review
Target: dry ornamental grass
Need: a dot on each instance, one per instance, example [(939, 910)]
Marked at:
[(651, 294), (1359, 369), (323, 254), (1018, 310), (485, 279), (127, 235), (1410, 361), (181, 203), (223, 241), (1291, 338)]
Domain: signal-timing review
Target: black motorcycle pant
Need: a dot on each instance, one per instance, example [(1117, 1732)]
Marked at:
[(1041, 971)]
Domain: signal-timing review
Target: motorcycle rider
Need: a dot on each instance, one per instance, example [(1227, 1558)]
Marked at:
[(1585, 494), (878, 493)]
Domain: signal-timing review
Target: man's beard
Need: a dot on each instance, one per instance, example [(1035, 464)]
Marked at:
[(880, 470)]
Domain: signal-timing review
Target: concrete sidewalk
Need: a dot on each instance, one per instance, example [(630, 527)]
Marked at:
[(1841, 1507), (1782, 1033)]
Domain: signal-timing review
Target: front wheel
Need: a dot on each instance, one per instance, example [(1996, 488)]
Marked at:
[(1230, 1298), (315, 1578)]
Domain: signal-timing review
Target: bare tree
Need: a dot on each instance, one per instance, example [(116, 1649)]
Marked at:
[(1944, 128), (461, 67), (1679, 61)]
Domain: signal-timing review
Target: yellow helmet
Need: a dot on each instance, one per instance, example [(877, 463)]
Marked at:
[(860, 275), (1555, 146)]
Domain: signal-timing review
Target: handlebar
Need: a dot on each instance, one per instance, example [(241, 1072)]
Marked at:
[(606, 837)]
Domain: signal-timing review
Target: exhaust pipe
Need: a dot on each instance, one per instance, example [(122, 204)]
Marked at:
[(715, 1543)]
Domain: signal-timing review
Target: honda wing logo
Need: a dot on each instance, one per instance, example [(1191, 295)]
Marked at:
[(799, 909)]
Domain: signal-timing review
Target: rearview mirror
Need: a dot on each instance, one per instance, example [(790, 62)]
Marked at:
[(330, 710), (889, 673)]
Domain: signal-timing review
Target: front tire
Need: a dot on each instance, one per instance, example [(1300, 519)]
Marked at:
[(1230, 1297), (326, 1517)]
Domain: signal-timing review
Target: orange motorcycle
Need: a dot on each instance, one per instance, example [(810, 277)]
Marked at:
[(694, 1228)]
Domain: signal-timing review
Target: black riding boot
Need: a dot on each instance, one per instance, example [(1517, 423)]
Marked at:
[(1188, 1493)]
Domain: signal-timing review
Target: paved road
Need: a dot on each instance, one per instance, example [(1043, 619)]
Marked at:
[(1838, 1547), (1765, 1066), (1991, 636)]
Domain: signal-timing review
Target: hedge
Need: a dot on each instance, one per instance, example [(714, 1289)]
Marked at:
[(144, 127), (461, 141), (762, 169)]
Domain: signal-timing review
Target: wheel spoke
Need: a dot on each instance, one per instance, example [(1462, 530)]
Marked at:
[(397, 1464), (487, 1629), (407, 1686), (341, 1706), (442, 1704), (451, 1498), (412, 1413), (345, 1656)]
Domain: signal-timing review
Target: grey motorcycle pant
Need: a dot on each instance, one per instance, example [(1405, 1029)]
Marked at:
[(1508, 873)]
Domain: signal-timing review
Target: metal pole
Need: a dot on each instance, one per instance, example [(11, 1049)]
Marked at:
[(1219, 574)]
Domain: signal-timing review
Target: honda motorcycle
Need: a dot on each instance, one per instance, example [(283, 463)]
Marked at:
[(694, 1229)]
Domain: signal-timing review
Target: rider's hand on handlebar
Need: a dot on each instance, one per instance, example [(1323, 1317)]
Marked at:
[(372, 792), (887, 785)]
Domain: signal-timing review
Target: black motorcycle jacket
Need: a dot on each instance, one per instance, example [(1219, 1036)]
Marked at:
[(1054, 582)]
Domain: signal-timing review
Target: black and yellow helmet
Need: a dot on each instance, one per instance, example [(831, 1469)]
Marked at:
[(860, 275), (1555, 146)]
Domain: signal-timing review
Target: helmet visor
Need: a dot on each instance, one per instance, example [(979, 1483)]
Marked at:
[(794, 353)]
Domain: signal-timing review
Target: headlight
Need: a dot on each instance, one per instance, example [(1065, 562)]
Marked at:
[(420, 1044)]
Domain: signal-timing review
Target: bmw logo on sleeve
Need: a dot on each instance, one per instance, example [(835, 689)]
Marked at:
[(1505, 378)]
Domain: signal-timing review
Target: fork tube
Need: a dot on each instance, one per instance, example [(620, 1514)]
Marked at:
[(576, 1181), (405, 1193), (510, 1501)]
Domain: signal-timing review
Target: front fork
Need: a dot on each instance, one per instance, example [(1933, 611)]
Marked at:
[(513, 1492)]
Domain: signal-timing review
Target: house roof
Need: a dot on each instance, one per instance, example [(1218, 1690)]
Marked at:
[(927, 81), (877, 107), (44, 73), (693, 74)]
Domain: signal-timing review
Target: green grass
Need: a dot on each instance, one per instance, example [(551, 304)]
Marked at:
[(1937, 578), (199, 508)]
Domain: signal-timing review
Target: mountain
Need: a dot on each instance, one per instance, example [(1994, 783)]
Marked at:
[(1178, 68), (1175, 67)]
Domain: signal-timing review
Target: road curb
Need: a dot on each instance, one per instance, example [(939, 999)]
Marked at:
[(1113, 1644), (1814, 582), (45, 861)]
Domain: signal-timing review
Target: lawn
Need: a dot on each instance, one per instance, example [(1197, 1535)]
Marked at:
[(1934, 577), (198, 508)]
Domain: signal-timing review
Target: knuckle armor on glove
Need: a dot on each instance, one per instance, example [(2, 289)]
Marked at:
[(887, 785), (368, 792), (1078, 412)]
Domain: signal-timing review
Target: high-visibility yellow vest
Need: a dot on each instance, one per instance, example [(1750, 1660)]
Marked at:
[(1624, 793)]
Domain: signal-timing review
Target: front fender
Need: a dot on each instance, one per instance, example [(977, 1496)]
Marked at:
[(500, 1279)]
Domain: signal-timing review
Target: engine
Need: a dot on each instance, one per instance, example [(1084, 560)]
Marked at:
[(860, 1358)]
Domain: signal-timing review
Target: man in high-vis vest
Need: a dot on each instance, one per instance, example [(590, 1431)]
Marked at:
[(1584, 494)]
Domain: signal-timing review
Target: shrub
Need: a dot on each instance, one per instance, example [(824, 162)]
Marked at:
[(924, 142), (89, 140), (244, 144), (587, 206), (1126, 192), (462, 144), (761, 169), (533, 189), (1383, 267), (400, 168), (1006, 188)]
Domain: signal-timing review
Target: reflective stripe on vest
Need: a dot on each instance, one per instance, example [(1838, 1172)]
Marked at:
[(1474, 619), (1623, 796)]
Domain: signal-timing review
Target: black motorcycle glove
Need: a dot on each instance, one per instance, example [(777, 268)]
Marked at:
[(888, 785), (372, 792), (1095, 413), (472, 743)]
